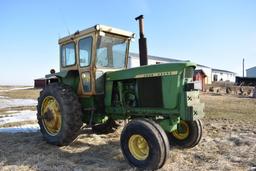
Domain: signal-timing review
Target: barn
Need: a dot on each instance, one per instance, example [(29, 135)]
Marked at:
[(39, 83), (199, 76), (207, 71)]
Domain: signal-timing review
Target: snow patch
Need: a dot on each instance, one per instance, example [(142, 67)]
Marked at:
[(3, 97), (25, 115), (24, 128), (6, 102)]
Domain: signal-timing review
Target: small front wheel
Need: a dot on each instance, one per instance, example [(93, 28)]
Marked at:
[(188, 136), (143, 145)]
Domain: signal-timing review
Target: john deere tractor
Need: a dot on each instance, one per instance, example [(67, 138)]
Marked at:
[(158, 103)]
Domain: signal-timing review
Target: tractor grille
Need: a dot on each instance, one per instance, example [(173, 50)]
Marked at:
[(150, 92)]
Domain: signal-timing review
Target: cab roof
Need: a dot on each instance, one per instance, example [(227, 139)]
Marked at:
[(97, 27)]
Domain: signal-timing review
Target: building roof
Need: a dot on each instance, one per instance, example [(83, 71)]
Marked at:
[(136, 55), (39, 79), (203, 66), (199, 71), (252, 68), (220, 70)]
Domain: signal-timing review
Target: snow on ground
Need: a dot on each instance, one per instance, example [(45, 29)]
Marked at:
[(24, 128), (18, 116), (24, 115), (3, 97), (12, 116), (16, 88), (6, 102)]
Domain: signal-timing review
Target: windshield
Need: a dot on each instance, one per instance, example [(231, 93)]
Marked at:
[(111, 52)]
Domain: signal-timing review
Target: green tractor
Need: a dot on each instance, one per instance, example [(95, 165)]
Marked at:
[(95, 87)]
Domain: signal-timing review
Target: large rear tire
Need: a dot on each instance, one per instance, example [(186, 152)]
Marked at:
[(144, 144), (189, 137), (59, 114)]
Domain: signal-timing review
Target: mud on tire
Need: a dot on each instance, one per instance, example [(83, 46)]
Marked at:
[(69, 110)]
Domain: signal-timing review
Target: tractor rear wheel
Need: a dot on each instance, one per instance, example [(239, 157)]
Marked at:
[(59, 114), (189, 137), (144, 144)]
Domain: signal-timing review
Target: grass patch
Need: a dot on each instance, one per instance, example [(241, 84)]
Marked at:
[(22, 94), (230, 107), (13, 124)]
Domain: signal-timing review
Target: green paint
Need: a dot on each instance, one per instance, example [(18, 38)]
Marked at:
[(122, 99), (149, 71), (169, 125)]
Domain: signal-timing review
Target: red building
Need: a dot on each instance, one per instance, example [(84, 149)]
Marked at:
[(39, 83), (199, 76)]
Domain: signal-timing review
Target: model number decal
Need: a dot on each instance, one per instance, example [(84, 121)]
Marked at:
[(157, 74)]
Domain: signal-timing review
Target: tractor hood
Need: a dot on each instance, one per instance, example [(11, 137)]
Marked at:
[(150, 71)]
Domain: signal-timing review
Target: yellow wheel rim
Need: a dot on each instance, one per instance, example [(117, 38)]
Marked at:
[(138, 147), (50, 112), (185, 131)]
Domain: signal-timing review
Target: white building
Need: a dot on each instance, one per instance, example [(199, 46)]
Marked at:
[(211, 73), (134, 60), (223, 75), (251, 72)]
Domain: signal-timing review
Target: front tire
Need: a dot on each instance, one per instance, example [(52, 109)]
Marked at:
[(144, 145), (59, 114), (189, 137)]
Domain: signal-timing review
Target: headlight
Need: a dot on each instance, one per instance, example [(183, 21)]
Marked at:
[(86, 79)]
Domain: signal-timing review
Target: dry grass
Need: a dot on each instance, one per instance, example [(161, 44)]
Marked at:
[(12, 124), (22, 94), (230, 107), (228, 143), (20, 108)]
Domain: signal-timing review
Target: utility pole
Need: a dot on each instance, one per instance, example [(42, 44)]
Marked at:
[(243, 67)]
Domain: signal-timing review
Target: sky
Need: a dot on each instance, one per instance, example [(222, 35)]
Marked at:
[(215, 33)]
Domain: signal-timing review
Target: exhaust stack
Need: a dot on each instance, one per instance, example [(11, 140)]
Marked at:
[(142, 42)]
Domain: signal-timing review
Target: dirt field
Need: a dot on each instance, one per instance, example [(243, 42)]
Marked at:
[(228, 143)]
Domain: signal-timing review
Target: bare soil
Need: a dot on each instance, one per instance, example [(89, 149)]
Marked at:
[(228, 143)]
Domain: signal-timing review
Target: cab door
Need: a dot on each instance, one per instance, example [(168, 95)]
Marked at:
[(85, 54)]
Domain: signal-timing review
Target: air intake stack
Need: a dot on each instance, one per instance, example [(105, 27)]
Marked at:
[(142, 42)]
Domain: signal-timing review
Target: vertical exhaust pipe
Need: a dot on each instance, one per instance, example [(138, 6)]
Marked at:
[(142, 42)]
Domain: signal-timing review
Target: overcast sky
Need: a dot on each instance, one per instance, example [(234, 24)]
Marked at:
[(215, 33)]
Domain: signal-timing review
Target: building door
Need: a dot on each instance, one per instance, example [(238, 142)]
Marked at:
[(215, 77)]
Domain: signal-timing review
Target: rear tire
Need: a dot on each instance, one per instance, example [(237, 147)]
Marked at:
[(144, 144), (189, 138), (59, 114)]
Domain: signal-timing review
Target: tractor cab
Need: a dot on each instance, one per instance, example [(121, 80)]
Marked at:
[(92, 52)]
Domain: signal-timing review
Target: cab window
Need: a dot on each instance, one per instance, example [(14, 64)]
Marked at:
[(85, 51), (111, 52), (68, 54)]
